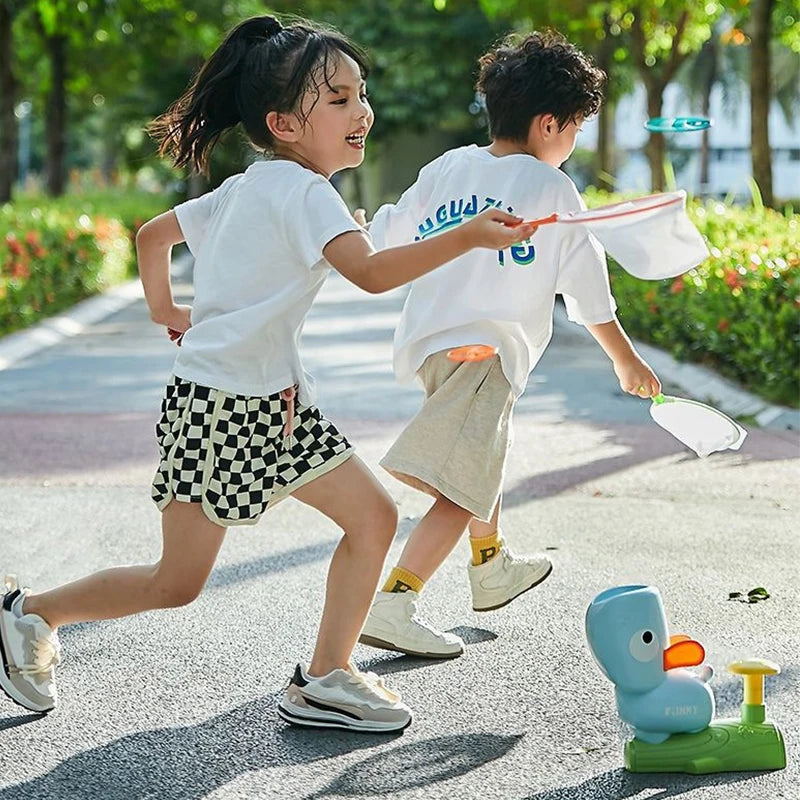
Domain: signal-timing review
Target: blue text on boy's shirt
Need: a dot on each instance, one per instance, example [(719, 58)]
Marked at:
[(454, 212)]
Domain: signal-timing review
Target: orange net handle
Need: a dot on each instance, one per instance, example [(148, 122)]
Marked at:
[(543, 221)]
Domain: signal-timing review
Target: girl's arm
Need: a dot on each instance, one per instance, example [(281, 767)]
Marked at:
[(374, 271), (635, 375), (154, 243)]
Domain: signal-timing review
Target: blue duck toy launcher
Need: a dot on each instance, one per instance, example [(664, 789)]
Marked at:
[(669, 707)]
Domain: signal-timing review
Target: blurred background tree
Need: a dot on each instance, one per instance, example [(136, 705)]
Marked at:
[(79, 80)]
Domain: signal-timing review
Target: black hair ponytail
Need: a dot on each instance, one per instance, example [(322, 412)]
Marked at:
[(259, 67)]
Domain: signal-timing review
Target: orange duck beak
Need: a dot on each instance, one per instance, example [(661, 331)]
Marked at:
[(683, 652)]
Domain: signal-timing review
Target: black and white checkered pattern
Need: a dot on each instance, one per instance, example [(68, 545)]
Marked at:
[(228, 451)]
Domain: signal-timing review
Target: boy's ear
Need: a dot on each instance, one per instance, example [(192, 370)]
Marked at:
[(284, 127), (542, 127), (549, 125)]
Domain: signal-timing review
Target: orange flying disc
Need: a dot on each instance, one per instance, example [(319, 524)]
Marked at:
[(472, 352)]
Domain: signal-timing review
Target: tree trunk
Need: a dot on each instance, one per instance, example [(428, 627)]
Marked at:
[(705, 150), (759, 98), (655, 147), (656, 81), (605, 146), (604, 163), (708, 85), (8, 99), (56, 47)]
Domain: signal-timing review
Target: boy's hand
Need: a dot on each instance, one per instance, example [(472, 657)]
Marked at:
[(360, 216), (636, 377), (496, 230)]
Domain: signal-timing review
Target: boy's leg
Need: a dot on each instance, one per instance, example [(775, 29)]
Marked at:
[(190, 546), (434, 538), (496, 574), (484, 537), (393, 623)]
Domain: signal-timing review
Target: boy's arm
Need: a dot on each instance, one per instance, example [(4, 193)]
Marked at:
[(635, 375), (154, 242)]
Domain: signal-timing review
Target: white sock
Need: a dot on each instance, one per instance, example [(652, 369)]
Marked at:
[(16, 606)]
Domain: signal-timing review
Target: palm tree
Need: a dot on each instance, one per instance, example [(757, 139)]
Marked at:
[(760, 94), (721, 62)]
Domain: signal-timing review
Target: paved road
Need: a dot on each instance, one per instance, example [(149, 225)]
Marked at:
[(181, 704)]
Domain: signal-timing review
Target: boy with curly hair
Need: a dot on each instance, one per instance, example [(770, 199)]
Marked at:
[(538, 91)]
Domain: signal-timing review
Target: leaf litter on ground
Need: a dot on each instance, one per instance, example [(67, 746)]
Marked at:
[(753, 596)]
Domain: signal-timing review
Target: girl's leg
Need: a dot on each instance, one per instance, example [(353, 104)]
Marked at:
[(434, 538), (355, 500), (190, 546)]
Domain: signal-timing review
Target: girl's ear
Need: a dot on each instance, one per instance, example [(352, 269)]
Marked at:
[(284, 127)]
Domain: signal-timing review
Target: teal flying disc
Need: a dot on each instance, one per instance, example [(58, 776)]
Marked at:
[(677, 124)]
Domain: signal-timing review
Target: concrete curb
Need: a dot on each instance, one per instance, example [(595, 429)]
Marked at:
[(77, 319), (703, 384)]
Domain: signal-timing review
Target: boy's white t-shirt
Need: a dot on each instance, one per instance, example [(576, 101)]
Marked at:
[(257, 241), (504, 299)]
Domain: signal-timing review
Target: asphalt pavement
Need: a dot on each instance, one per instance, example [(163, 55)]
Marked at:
[(181, 703)]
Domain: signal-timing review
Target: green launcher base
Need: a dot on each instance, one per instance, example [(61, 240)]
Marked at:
[(728, 745)]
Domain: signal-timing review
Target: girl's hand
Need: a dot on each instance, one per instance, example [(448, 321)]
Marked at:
[(360, 216), (178, 321), (636, 377), (496, 230)]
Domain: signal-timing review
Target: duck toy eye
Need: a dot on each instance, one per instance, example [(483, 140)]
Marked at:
[(644, 645)]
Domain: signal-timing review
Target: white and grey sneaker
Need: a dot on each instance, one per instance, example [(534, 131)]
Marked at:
[(30, 652), (499, 580), (345, 699), (393, 624)]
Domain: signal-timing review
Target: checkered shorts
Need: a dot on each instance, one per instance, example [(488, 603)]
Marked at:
[(228, 451)]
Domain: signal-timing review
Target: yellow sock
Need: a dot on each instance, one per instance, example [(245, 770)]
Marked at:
[(484, 549), (401, 580)]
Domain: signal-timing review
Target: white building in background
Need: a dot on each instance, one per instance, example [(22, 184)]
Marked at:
[(730, 165)]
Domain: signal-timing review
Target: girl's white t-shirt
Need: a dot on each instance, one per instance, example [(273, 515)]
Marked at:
[(257, 241), (500, 298)]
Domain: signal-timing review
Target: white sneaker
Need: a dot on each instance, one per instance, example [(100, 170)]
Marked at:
[(506, 576), (393, 624), (343, 699), (30, 652)]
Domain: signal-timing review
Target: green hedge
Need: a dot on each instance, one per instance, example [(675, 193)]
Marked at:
[(739, 311), (54, 253)]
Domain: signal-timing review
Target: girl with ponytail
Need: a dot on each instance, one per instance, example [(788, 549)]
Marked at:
[(239, 430)]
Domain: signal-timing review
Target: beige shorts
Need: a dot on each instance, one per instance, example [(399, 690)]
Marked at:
[(457, 443)]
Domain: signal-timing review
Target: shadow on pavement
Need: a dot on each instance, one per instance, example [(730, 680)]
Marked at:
[(621, 784), (280, 562), (641, 446), (190, 762), (14, 722), (418, 764), (389, 663), (472, 635)]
